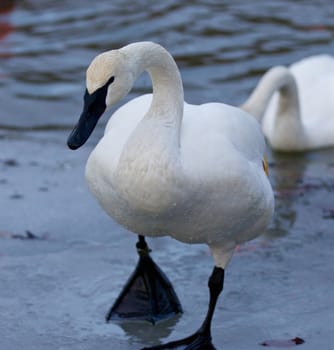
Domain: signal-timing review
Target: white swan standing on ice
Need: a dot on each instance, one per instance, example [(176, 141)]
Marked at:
[(296, 104), (164, 167)]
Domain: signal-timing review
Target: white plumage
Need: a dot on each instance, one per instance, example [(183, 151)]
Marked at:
[(165, 167), (170, 168), (295, 104)]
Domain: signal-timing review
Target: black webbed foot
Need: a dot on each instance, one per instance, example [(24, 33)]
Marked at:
[(148, 294), (197, 341), (200, 340)]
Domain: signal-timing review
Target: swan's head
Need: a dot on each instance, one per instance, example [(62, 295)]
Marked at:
[(108, 79)]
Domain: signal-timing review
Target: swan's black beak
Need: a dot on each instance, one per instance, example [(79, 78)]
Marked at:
[(94, 107)]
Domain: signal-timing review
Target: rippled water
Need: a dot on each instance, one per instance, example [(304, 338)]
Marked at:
[(56, 291), (221, 47)]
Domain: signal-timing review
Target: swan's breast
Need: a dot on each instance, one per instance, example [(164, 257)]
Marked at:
[(210, 189), (137, 181)]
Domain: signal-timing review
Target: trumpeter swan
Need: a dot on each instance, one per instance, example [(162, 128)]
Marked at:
[(295, 104), (163, 167)]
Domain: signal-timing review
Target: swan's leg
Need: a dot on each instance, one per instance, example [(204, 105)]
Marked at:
[(148, 294), (202, 338)]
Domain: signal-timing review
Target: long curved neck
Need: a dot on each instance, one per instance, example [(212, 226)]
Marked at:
[(152, 151), (276, 79), (284, 127), (168, 98)]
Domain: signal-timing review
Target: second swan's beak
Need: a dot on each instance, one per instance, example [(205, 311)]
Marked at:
[(94, 107)]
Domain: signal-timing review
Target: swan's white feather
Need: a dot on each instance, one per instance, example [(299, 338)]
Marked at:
[(315, 82), (222, 149), (165, 167)]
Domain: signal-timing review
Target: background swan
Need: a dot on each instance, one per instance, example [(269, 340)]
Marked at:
[(300, 116), (163, 167)]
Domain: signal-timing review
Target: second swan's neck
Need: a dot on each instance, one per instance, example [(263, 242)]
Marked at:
[(283, 126), (276, 79)]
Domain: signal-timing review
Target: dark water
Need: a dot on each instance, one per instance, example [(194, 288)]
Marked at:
[(54, 292), (221, 47)]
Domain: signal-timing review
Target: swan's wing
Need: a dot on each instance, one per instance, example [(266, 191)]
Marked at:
[(210, 124), (210, 133), (315, 81), (215, 135), (309, 69), (222, 149)]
